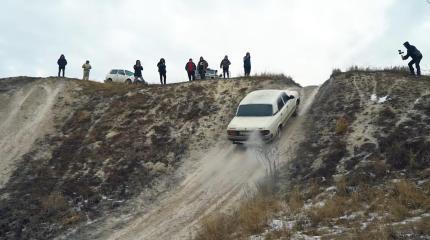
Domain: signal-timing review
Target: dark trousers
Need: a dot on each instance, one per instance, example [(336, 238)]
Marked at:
[(192, 75), (163, 78), (226, 72), (415, 61), (202, 74), (247, 71), (61, 69)]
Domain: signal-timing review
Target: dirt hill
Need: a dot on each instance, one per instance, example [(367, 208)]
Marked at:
[(361, 172), (74, 152)]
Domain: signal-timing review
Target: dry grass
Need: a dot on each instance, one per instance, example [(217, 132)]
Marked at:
[(276, 77), (342, 125), (72, 218), (250, 218), (333, 208), (54, 202), (295, 200)]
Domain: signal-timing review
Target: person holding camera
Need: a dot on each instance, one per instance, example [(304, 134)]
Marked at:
[(225, 66), (202, 66), (416, 56)]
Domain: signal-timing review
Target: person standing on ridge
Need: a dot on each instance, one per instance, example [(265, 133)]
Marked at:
[(162, 71), (416, 56), (138, 72), (247, 64), (190, 67), (62, 62), (225, 65), (87, 68), (201, 67)]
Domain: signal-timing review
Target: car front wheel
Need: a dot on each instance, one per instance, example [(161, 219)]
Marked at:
[(128, 81)]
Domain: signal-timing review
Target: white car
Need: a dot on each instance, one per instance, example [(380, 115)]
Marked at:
[(119, 75), (210, 74), (263, 112)]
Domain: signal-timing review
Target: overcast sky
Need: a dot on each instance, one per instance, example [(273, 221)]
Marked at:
[(303, 39)]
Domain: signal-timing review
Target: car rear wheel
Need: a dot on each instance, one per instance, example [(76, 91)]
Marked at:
[(128, 81), (109, 80)]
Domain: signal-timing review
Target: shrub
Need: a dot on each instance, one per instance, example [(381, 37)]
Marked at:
[(341, 125)]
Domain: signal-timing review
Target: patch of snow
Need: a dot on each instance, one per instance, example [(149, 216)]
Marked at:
[(380, 100), (417, 101), (330, 189), (276, 225), (383, 99), (301, 236)]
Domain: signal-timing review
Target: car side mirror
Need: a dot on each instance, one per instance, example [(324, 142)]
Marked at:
[(292, 97)]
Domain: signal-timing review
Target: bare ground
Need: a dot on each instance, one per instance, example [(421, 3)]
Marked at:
[(213, 180)]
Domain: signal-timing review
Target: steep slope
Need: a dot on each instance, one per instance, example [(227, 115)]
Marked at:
[(93, 149), (362, 171)]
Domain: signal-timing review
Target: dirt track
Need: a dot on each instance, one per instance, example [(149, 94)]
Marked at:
[(213, 181), (25, 115)]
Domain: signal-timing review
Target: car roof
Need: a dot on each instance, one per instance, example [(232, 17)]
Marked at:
[(262, 97)]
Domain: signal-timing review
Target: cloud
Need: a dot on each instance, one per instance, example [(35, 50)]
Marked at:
[(305, 39)]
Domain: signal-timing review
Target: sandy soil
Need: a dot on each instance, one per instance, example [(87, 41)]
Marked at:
[(25, 115), (214, 181)]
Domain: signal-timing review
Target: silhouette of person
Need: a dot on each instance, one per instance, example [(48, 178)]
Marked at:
[(247, 64), (87, 68), (202, 66), (225, 65), (191, 67), (138, 72), (162, 71), (416, 56), (62, 62)]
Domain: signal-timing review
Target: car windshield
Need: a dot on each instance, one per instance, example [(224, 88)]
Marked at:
[(129, 73), (255, 110)]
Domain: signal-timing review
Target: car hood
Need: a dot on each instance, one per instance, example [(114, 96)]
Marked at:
[(250, 123)]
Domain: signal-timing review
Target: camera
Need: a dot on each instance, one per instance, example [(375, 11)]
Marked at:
[(401, 52)]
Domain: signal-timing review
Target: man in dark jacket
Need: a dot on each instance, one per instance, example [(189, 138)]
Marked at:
[(62, 62), (416, 56), (247, 64), (225, 65), (201, 67), (162, 71), (138, 72), (190, 67)]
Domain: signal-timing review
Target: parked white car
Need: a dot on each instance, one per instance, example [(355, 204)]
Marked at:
[(263, 112), (119, 75), (210, 74)]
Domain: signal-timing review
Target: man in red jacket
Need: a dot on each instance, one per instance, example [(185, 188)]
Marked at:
[(190, 67)]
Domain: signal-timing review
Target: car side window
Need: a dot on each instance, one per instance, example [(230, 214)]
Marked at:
[(285, 97), (114, 72), (280, 103), (121, 72)]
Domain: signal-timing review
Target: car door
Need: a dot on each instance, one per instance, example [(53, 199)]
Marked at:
[(289, 108), (121, 76), (282, 114)]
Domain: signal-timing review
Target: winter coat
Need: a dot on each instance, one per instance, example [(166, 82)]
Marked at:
[(247, 61), (161, 67), (86, 67), (190, 67), (62, 62), (202, 66), (138, 71), (225, 64), (413, 52)]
